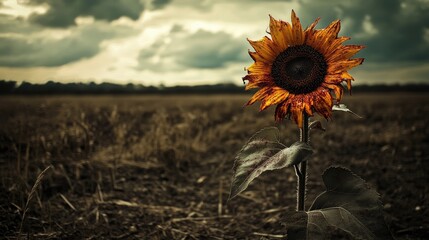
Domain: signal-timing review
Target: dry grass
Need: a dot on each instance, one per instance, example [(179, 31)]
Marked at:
[(159, 167), (30, 196)]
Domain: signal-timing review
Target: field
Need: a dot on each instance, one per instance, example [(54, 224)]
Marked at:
[(160, 167)]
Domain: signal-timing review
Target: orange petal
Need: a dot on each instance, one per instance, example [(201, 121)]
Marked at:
[(344, 65), (258, 81), (257, 58), (278, 95), (309, 32), (336, 43), (338, 78), (259, 68), (308, 103), (325, 37), (258, 78), (323, 102), (264, 48), (298, 34), (346, 76), (277, 29), (280, 112), (259, 95), (349, 86), (343, 52), (283, 108), (296, 109), (337, 89), (333, 79)]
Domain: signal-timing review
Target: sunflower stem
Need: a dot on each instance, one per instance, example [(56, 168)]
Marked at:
[(301, 170)]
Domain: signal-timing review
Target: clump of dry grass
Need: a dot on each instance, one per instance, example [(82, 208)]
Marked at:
[(30, 197)]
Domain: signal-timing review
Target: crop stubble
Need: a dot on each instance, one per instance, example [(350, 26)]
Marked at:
[(159, 167)]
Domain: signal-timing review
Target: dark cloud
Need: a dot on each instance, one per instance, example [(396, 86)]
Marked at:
[(202, 49), (209, 50), (22, 46), (62, 13), (392, 30), (159, 4), (16, 25)]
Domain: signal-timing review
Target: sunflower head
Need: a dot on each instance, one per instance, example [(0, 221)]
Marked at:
[(300, 70)]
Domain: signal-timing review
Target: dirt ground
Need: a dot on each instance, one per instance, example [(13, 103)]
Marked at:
[(160, 167)]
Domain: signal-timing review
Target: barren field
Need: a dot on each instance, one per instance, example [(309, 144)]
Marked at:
[(160, 167)]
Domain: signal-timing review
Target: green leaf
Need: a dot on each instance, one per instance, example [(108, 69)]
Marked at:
[(264, 152), (343, 107)]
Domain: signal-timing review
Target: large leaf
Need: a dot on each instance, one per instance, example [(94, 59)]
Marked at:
[(346, 189), (328, 223), (348, 209), (264, 152)]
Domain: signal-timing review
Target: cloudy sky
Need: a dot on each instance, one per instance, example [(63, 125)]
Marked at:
[(188, 42)]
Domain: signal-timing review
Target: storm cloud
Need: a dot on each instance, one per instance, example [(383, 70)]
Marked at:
[(159, 4), (24, 46), (194, 41), (201, 49), (392, 30), (62, 13)]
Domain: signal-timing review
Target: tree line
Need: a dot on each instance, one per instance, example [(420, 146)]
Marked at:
[(51, 87)]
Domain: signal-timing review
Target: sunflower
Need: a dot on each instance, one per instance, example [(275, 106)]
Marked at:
[(300, 70)]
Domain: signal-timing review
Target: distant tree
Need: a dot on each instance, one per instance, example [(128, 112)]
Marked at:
[(7, 87), (51, 87)]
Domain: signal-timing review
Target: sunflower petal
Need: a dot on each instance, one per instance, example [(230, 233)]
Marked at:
[(259, 68), (343, 52), (298, 34), (349, 86), (264, 48), (336, 43), (325, 37), (344, 65), (312, 25), (333, 79), (309, 32), (283, 108), (323, 102), (257, 81), (337, 89), (259, 95), (278, 95), (296, 109), (277, 33), (258, 78), (346, 76), (257, 58), (308, 103), (280, 112)]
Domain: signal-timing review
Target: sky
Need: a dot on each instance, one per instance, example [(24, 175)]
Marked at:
[(191, 42)]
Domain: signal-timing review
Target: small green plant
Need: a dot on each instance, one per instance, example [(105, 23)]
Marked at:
[(301, 71)]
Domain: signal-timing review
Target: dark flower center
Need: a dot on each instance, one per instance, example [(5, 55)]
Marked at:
[(299, 69)]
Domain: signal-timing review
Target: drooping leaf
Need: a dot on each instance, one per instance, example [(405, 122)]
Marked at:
[(328, 223), (335, 221), (348, 209), (347, 190), (264, 152), (344, 108)]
